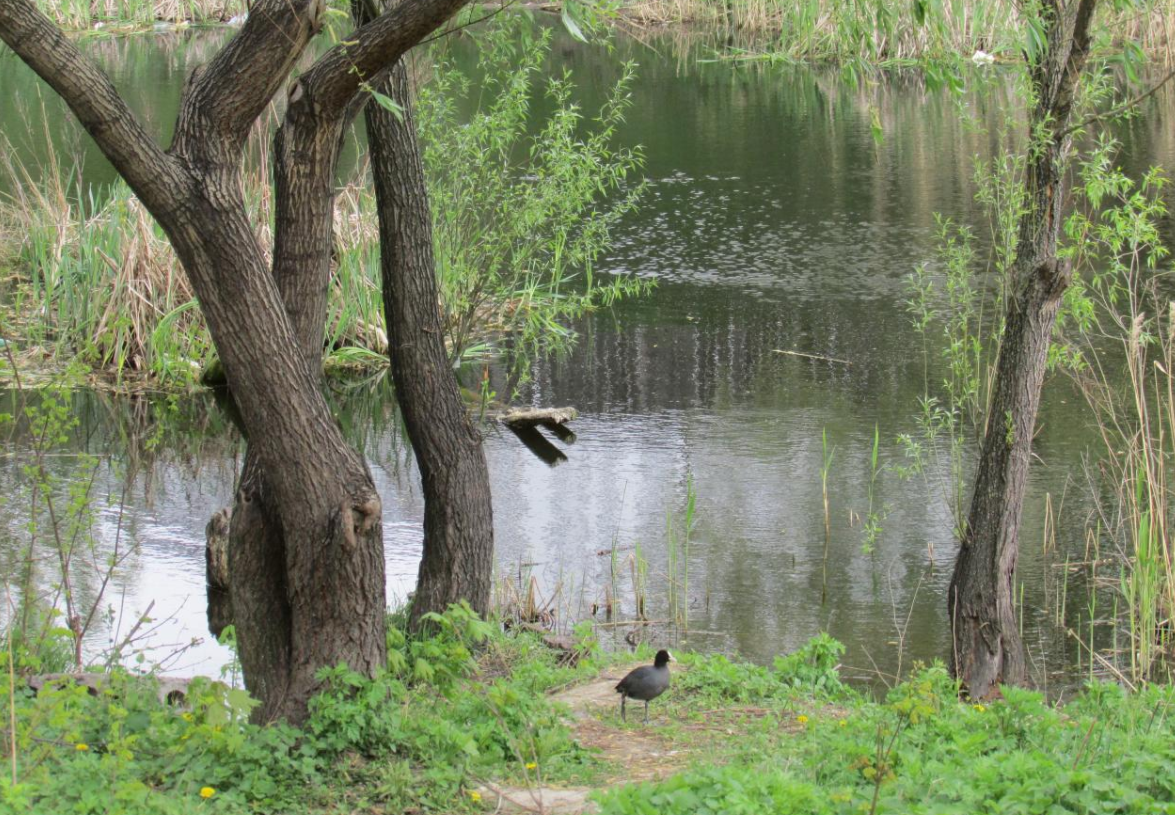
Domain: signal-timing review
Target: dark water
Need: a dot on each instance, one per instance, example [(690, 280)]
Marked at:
[(773, 221)]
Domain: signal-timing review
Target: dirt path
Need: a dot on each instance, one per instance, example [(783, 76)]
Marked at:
[(638, 753)]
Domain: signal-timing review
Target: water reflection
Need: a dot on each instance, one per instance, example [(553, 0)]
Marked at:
[(774, 222)]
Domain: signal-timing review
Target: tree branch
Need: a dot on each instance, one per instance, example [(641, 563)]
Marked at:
[(229, 93), (1061, 102), (1118, 110), (341, 72), (151, 173)]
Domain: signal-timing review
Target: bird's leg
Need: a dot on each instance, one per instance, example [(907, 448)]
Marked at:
[(623, 698), (646, 712)]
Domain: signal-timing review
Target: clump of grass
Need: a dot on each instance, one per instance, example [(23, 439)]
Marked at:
[(99, 280)]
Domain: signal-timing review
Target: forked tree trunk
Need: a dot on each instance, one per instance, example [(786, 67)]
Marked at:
[(458, 517), (987, 650), (307, 551)]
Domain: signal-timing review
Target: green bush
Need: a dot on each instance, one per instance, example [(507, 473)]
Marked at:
[(410, 737), (522, 206)]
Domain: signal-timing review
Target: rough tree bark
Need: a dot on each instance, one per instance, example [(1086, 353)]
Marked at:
[(307, 560), (458, 517), (985, 634)]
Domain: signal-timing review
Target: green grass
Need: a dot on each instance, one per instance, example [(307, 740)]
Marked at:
[(791, 748), (463, 706), (469, 707)]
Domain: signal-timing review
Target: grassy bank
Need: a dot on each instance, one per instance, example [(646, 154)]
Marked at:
[(880, 32), (475, 712)]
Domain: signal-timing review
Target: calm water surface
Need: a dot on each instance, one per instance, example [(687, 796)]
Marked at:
[(773, 221)]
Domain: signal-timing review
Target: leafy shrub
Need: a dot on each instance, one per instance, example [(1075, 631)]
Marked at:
[(810, 669), (445, 655), (519, 219), (814, 665)]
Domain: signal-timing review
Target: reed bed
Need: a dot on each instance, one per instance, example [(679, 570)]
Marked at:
[(93, 277), (97, 279), (881, 32), (86, 14), (1122, 322)]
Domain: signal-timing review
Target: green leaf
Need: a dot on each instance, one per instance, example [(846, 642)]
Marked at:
[(569, 22), (390, 104)]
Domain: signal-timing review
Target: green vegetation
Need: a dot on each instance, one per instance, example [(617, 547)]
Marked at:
[(795, 748), (1114, 339), (518, 222), (467, 710), (421, 735), (121, 14), (877, 33), (1121, 352), (516, 239)]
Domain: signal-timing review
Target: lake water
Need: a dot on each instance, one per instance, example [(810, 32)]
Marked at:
[(773, 222)]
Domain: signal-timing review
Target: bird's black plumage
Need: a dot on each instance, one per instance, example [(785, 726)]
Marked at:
[(645, 683)]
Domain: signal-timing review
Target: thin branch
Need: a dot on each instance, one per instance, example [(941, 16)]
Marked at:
[(1118, 110), (340, 73)]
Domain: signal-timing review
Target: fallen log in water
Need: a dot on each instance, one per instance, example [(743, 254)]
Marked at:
[(530, 417)]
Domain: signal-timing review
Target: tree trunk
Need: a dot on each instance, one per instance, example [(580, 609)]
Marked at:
[(306, 544), (458, 516), (985, 633), (987, 643)]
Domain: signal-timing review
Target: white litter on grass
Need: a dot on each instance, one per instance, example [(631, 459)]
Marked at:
[(981, 57)]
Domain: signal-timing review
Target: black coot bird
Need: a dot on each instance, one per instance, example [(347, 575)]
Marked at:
[(645, 683)]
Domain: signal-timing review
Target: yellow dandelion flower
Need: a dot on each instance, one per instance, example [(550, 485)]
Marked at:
[(978, 708), (843, 723), (81, 748), (802, 719), (531, 766), (474, 796), (207, 792), (188, 717)]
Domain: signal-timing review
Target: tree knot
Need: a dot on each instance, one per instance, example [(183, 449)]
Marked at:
[(358, 519), (1055, 274)]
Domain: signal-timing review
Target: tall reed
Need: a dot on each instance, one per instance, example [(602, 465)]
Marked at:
[(880, 32), (1124, 322), (85, 14), (678, 542)]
